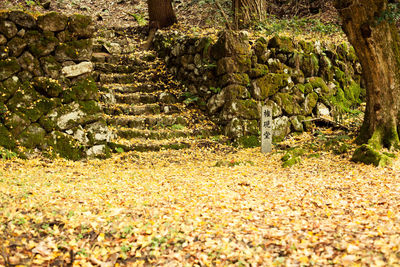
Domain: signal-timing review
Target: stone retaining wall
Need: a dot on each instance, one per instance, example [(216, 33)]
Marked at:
[(48, 99), (232, 77)]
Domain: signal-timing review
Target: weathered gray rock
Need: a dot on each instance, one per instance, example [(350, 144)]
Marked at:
[(322, 110), (78, 69), (167, 98), (234, 129), (99, 132), (22, 18), (280, 128), (8, 28), (52, 21), (113, 48), (97, 151)]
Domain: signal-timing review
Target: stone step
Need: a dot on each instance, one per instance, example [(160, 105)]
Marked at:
[(133, 88), (125, 109), (145, 145), (129, 133), (128, 78), (116, 68), (149, 121), (136, 98)]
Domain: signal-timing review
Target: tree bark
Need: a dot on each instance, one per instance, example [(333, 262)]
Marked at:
[(377, 45), (161, 13)]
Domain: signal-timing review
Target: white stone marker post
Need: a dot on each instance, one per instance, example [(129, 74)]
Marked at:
[(266, 129)]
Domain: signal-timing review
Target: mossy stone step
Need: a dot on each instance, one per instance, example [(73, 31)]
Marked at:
[(144, 146), (136, 98), (145, 122), (128, 133), (124, 109), (128, 78), (116, 68), (133, 88)]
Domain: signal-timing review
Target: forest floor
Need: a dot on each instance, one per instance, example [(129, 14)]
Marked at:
[(210, 206), (213, 205)]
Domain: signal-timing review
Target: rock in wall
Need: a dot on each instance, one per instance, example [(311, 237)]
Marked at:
[(233, 77), (48, 99)]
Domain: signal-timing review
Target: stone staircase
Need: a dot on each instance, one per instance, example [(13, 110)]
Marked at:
[(142, 103)]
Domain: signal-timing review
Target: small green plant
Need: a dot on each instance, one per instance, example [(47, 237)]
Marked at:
[(177, 127), (139, 18), (30, 2), (215, 90), (119, 150), (189, 98), (7, 154)]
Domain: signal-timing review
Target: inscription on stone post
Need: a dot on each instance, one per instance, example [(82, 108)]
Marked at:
[(266, 129)]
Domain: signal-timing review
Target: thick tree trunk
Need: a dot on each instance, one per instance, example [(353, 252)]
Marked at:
[(161, 13), (377, 45)]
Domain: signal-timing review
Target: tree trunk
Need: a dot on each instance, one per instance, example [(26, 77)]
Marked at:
[(161, 13), (377, 45)]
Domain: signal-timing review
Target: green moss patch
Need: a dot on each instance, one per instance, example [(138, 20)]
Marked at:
[(368, 155)]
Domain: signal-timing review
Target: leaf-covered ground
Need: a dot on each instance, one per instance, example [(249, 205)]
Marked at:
[(205, 206)]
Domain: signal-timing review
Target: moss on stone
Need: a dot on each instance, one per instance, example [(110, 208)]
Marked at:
[(309, 65), (81, 25), (8, 89), (260, 47), (45, 44), (286, 101), (65, 146), (268, 85), (8, 67), (318, 82), (47, 86), (281, 43), (74, 50), (90, 107), (6, 139), (83, 90), (32, 137), (259, 70), (368, 155), (248, 141), (234, 78)]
